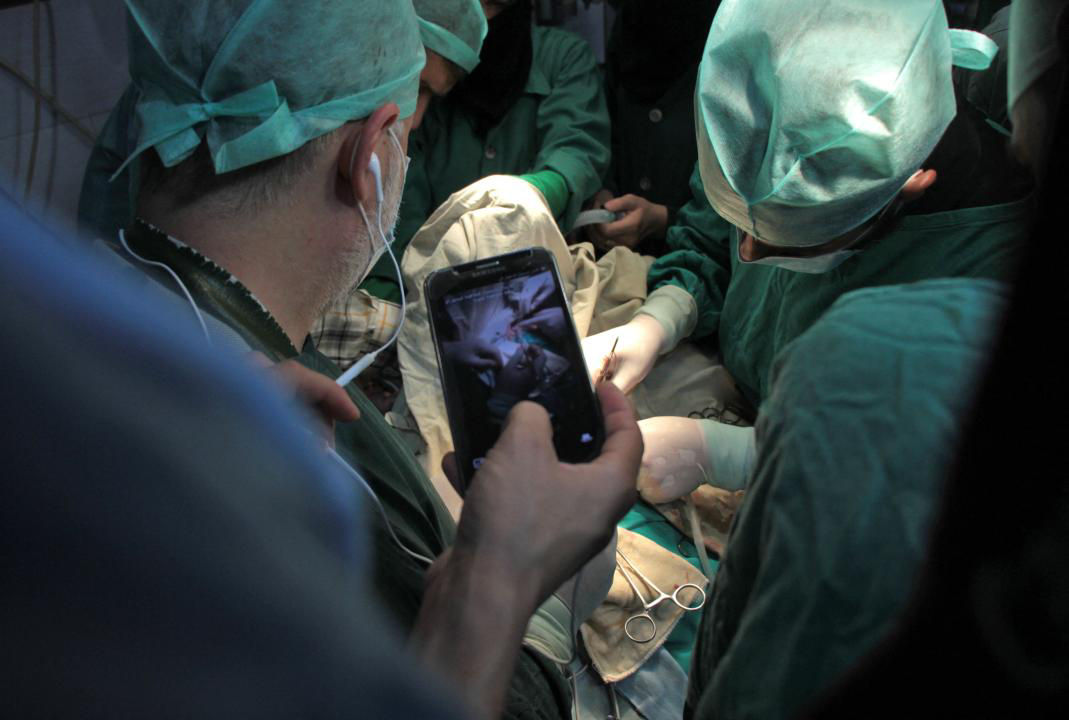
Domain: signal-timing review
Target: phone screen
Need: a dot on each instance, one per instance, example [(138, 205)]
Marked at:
[(505, 336)]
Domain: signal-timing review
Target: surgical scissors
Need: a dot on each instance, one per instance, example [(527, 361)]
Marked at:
[(644, 619)]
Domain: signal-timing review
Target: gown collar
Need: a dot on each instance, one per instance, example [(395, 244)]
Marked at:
[(212, 287)]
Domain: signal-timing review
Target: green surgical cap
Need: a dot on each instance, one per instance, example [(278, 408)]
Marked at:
[(1033, 43), (455, 29), (258, 79), (812, 115)]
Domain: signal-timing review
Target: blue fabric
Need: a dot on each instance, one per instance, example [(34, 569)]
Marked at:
[(173, 540)]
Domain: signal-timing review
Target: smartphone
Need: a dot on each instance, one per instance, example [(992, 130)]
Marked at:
[(503, 332)]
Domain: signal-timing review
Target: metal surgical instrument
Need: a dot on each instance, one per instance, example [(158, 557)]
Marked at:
[(641, 627)]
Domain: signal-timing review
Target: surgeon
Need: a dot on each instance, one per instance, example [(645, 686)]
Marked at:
[(272, 165), (534, 107), (837, 151), (452, 32), (861, 429)]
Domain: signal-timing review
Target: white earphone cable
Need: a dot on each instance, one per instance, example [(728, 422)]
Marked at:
[(382, 511), (363, 363), (174, 275)]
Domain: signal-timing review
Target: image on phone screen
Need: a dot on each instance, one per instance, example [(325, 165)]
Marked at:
[(509, 340)]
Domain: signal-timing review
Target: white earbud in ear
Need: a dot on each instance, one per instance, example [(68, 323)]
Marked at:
[(376, 170)]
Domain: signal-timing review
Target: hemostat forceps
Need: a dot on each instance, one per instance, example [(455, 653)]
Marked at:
[(641, 627)]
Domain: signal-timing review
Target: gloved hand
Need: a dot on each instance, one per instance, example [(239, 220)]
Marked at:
[(642, 219), (637, 345), (474, 352), (682, 453)]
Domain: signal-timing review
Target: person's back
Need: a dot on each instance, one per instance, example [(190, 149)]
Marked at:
[(853, 442), (998, 616)]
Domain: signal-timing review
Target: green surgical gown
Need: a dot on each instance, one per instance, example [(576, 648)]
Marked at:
[(559, 123), (854, 442), (756, 310)]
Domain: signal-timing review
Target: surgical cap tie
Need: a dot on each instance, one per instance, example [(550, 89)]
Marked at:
[(257, 79), (971, 50), (172, 129), (175, 137)]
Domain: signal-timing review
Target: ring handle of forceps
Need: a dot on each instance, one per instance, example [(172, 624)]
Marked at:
[(648, 621), (648, 618), (689, 608)]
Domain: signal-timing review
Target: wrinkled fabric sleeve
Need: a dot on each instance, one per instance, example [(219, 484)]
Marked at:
[(106, 206), (553, 188), (676, 311), (699, 260), (573, 125), (732, 453)]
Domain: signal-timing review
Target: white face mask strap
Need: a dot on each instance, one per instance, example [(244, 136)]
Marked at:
[(397, 144), (174, 275)]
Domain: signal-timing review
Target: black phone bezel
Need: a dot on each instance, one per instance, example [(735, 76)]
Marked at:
[(482, 272)]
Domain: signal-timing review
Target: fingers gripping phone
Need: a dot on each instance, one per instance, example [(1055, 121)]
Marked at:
[(503, 332)]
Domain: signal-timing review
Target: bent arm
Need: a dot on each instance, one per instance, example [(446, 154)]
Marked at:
[(573, 127), (700, 261)]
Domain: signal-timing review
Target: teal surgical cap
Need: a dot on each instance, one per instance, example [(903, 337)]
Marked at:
[(455, 29), (257, 79), (812, 115), (1033, 43)]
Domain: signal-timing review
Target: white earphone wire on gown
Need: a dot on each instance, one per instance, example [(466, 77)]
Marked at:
[(378, 503), (174, 275)]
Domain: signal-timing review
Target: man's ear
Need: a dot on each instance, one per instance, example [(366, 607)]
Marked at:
[(354, 156), (917, 184)]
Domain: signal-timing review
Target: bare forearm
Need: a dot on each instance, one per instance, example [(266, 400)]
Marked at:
[(470, 628)]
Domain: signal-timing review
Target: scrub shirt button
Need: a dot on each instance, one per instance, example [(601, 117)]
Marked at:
[(645, 184), (491, 152), (656, 115)]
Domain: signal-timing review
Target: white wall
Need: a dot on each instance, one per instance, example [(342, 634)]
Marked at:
[(83, 42)]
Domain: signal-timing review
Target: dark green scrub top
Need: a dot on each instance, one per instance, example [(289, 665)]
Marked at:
[(653, 146)]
